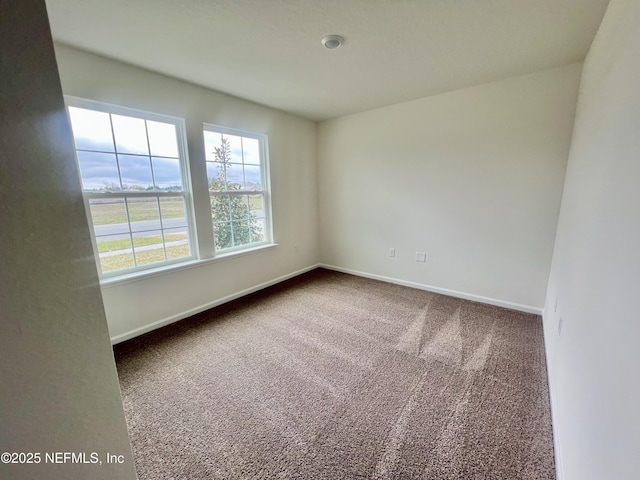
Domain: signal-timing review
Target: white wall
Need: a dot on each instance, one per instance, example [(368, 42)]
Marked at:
[(595, 277), (472, 177), (58, 378), (135, 305)]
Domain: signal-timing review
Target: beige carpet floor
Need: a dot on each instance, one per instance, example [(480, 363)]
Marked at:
[(331, 376)]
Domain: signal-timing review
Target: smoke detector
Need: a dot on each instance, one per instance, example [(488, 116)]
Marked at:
[(332, 41)]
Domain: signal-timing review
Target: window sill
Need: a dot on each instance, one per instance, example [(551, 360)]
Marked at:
[(176, 267)]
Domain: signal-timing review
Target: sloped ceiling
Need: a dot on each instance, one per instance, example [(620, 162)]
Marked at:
[(269, 51)]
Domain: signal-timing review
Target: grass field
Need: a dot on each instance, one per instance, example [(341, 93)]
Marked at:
[(144, 257), (125, 243), (113, 211)]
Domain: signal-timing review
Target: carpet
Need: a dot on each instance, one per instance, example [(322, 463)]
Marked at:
[(332, 376)]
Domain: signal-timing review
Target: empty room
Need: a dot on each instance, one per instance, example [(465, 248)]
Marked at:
[(300, 239)]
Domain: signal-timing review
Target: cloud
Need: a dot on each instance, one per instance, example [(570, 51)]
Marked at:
[(100, 169)]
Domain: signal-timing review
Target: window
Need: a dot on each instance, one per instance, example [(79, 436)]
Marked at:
[(237, 173), (135, 177), (132, 166)]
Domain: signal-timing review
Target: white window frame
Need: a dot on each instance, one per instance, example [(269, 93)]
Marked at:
[(186, 192), (265, 192)]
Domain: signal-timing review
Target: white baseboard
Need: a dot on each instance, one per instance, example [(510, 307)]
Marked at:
[(187, 313), (557, 451), (201, 308), (443, 291)]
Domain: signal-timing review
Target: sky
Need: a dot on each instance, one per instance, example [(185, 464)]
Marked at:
[(245, 158), (139, 151)]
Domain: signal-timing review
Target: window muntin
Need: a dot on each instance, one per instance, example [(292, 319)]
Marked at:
[(237, 177), (133, 169)]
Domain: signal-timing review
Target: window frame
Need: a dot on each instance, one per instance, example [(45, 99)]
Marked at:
[(202, 250), (186, 193), (265, 192)]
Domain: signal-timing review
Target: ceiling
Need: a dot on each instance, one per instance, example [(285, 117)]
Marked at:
[(269, 51)]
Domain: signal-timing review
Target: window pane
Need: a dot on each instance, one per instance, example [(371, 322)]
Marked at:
[(245, 226), (239, 207), (241, 233), (235, 177), (173, 212), (99, 171), (143, 214), (134, 154), (148, 247), (115, 252), (258, 214), (220, 208), (114, 244), (91, 129), (222, 235), (257, 229), (131, 134), (109, 216), (237, 161), (211, 141), (162, 139), (251, 149), (176, 243), (215, 174), (135, 172), (167, 174), (252, 177), (235, 147), (256, 204)]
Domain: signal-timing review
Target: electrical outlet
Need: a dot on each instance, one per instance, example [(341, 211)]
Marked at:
[(421, 257), (560, 326), (392, 252)]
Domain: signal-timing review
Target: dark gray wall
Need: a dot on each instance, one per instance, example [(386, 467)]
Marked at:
[(59, 384)]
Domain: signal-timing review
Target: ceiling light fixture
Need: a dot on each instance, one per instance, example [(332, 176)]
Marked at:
[(332, 41)]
